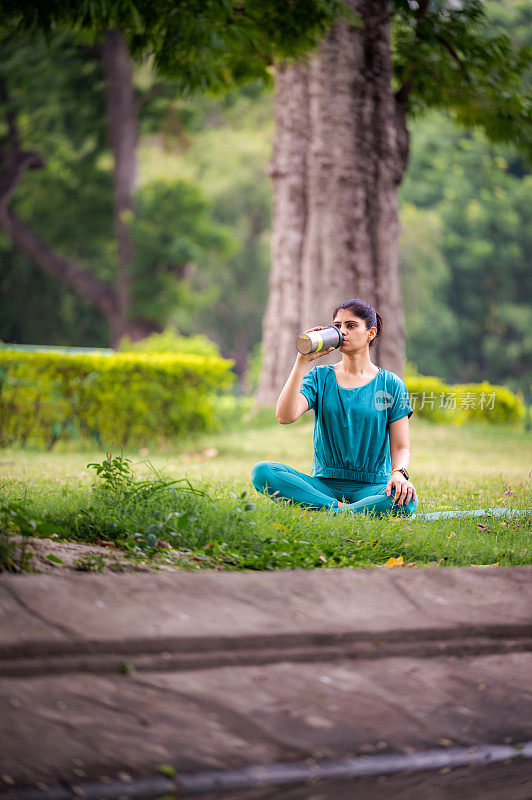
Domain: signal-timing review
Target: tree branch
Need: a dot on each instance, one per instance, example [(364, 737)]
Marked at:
[(12, 170), (13, 164), (96, 291), (448, 46)]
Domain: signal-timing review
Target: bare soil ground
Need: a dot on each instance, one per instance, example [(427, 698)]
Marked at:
[(48, 555)]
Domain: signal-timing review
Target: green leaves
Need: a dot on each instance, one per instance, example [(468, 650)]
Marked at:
[(466, 280), (167, 769), (55, 559), (90, 562), (174, 228), (201, 44), (15, 520), (446, 56), (125, 397), (114, 471)]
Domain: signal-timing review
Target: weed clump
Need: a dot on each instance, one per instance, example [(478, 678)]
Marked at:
[(162, 516), (16, 527), (162, 521)]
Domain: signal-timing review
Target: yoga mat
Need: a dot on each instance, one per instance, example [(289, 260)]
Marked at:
[(476, 512)]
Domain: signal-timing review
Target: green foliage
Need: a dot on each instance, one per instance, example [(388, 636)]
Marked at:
[(17, 525), (496, 404), (139, 515), (127, 397), (429, 398), (512, 17), (431, 328), (170, 341), (254, 370), (201, 44), (466, 220), (223, 144), (205, 524), (447, 57), (56, 93), (171, 522), (466, 249), (54, 559), (91, 562), (174, 234), (167, 769), (433, 399), (69, 205), (114, 472), (465, 282), (234, 411)]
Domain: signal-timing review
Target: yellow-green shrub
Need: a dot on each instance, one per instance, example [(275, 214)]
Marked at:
[(128, 398), (432, 398), (484, 401), (170, 341)]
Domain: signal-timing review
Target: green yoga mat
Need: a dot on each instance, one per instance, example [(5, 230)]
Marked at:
[(476, 512)]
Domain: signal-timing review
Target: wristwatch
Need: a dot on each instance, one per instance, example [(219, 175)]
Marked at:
[(403, 471)]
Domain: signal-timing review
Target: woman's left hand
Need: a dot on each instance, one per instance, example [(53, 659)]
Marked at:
[(404, 490)]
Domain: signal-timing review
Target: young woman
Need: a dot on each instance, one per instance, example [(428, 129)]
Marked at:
[(361, 441)]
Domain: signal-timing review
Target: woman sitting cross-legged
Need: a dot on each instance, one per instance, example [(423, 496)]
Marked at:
[(361, 441)]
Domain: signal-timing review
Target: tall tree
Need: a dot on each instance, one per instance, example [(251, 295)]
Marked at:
[(341, 150)]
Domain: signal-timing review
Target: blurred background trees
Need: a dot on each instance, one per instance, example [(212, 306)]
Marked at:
[(201, 46), (467, 250), (201, 226)]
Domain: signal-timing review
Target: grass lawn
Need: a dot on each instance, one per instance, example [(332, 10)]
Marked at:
[(219, 526)]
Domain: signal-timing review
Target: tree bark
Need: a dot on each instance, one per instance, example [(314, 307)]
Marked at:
[(123, 133), (289, 175), (340, 151)]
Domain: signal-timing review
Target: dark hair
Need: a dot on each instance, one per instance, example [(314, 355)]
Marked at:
[(363, 310)]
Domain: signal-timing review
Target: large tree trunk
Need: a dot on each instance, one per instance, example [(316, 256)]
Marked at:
[(123, 134), (339, 154)]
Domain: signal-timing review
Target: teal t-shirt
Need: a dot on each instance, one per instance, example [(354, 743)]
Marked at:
[(351, 426)]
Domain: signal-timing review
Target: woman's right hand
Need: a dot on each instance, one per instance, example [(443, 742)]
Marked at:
[(319, 354)]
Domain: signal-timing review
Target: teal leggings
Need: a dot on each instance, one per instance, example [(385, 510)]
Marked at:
[(284, 483)]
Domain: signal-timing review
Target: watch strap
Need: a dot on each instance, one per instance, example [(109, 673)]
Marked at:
[(403, 471)]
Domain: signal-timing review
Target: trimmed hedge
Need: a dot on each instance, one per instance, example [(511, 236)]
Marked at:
[(435, 400), (129, 398)]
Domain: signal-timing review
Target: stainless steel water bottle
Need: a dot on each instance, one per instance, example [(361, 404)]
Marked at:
[(314, 341)]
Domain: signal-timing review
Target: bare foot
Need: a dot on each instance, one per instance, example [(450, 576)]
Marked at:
[(342, 504)]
